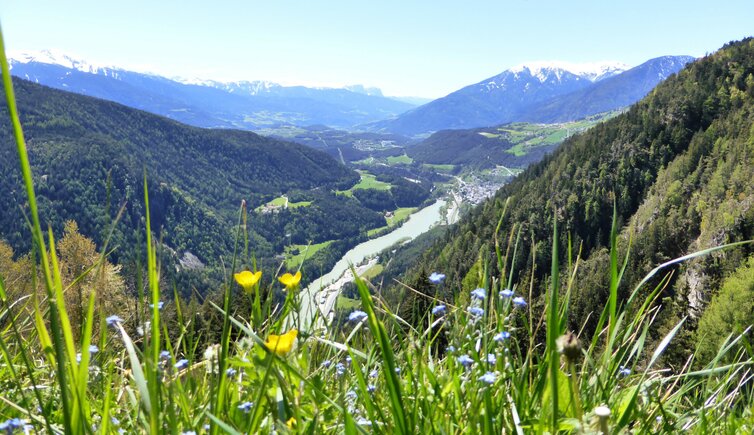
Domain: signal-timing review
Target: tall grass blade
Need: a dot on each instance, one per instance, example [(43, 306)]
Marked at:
[(39, 242), (136, 370), (625, 416), (154, 286), (612, 301), (553, 326), (218, 405), (389, 365), (25, 357)]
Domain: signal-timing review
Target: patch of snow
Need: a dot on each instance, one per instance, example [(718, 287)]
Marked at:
[(361, 89), (592, 71), (255, 87), (491, 85), (56, 57)]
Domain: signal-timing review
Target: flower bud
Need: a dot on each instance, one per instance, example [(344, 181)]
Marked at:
[(603, 415), (568, 344)]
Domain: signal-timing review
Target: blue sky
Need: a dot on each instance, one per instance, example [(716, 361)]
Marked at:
[(417, 48)]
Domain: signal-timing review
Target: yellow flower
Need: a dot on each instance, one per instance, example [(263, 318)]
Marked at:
[(290, 281), (281, 344), (291, 422), (247, 279)]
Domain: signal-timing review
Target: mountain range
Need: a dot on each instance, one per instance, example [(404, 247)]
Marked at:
[(538, 92), (675, 171), (90, 156), (535, 92), (247, 105)]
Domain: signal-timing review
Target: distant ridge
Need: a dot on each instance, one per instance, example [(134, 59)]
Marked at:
[(517, 94), (616, 91), (247, 105), (593, 71)]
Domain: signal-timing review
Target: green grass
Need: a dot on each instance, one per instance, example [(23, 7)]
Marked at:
[(344, 303), (525, 136), (374, 231), (367, 181), (367, 161), (292, 262), (299, 204), (441, 168), (499, 360), (400, 215), (391, 160), (281, 201), (399, 160), (373, 271)]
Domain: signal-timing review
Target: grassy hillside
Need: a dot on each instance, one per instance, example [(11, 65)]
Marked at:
[(515, 145)]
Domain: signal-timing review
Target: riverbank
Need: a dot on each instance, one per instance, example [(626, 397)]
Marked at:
[(322, 294)]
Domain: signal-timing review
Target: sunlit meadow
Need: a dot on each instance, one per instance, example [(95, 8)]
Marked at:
[(486, 362)]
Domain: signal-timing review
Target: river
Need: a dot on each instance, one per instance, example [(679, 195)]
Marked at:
[(322, 293)]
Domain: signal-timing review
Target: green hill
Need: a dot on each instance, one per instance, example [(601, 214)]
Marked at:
[(515, 145), (89, 157), (677, 165)]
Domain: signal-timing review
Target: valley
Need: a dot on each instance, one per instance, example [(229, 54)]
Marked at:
[(396, 177), (323, 292), (563, 247), (247, 105), (385, 181)]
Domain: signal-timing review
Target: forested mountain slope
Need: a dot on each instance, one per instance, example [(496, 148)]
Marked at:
[(89, 157), (678, 165)]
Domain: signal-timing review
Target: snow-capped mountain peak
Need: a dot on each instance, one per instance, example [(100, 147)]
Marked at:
[(56, 57), (361, 89), (241, 87), (254, 87), (245, 87), (592, 71)]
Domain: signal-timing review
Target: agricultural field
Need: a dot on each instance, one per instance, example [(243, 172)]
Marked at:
[(282, 201), (293, 261), (368, 181)]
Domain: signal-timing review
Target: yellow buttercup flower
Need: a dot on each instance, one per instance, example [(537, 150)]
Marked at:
[(290, 281), (281, 344), (247, 279), (291, 422)]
